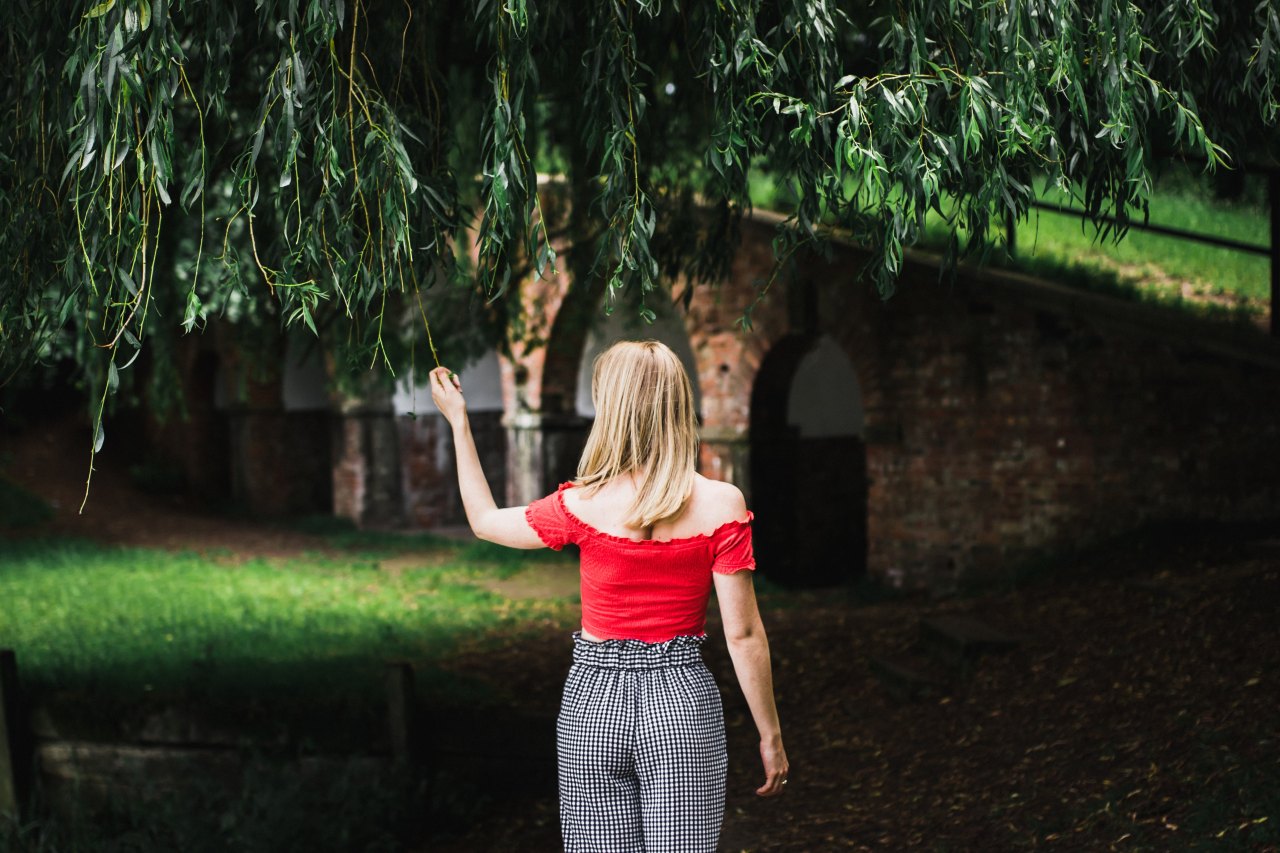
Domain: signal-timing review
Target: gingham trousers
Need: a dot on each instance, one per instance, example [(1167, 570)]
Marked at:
[(641, 749)]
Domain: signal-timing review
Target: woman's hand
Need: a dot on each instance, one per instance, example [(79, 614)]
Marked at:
[(446, 392), (776, 767)]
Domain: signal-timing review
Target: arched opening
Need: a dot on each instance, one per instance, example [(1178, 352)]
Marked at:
[(603, 331), (625, 324), (208, 469), (808, 465)]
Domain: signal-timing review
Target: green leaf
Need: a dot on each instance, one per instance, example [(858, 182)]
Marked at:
[(192, 312), (127, 281), (100, 10)]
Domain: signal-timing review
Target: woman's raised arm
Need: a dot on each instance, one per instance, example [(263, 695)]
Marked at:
[(507, 526)]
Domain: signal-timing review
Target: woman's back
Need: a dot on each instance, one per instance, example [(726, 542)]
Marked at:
[(650, 589), (711, 505)]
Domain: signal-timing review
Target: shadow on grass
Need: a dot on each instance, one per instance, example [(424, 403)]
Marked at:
[(344, 534), (269, 806)]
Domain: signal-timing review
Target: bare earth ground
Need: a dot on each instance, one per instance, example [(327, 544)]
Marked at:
[(1129, 718)]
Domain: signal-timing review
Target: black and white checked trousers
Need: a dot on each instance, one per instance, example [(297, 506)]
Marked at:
[(641, 747)]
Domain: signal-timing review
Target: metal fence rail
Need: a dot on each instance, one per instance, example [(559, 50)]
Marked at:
[(1271, 251)]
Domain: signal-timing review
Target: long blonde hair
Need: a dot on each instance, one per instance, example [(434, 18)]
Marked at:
[(645, 422)]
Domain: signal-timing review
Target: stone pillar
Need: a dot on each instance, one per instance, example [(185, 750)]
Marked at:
[(367, 480), (724, 453), (543, 450)]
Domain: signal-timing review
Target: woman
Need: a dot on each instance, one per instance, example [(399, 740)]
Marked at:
[(640, 736)]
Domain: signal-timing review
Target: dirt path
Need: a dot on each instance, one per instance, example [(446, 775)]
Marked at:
[(53, 463), (1131, 717)]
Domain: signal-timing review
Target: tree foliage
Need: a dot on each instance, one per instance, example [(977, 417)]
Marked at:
[(344, 165)]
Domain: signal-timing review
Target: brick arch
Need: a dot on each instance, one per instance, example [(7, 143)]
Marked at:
[(1063, 416), (580, 322), (573, 322)]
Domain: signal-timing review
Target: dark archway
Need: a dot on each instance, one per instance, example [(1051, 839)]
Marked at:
[(808, 465), (208, 469)]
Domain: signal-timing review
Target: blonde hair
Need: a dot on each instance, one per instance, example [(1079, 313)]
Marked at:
[(645, 421)]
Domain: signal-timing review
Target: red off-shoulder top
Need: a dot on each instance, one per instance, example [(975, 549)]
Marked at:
[(649, 590)]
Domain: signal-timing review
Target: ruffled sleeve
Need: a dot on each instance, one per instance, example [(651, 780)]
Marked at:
[(548, 519), (731, 547)]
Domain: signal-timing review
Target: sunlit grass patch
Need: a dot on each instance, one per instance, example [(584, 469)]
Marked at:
[(131, 622), (1142, 266)]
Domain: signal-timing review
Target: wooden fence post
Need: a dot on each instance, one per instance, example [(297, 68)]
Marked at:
[(13, 751), (400, 710)]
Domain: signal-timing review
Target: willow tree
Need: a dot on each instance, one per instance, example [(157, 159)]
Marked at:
[(329, 164)]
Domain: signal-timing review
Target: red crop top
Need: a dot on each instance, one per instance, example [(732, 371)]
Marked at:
[(650, 590)]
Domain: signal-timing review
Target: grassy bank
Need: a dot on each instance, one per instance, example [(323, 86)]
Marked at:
[(306, 635), (1141, 266)]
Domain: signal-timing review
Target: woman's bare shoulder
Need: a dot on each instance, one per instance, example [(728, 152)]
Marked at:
[(718, 502)]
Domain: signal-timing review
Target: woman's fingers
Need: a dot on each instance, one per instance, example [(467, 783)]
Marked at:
[(444, 378), (776, 767), (446, 392), (773, 785)]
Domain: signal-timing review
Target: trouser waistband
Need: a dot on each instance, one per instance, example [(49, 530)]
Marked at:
[(683, 650)]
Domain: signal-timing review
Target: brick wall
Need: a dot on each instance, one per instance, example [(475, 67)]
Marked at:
[(1004, 418), (1028, 429), (429, 474), (280, 461), (1007, 418)]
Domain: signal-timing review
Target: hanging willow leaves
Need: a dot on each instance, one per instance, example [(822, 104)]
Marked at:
[(362, 169)]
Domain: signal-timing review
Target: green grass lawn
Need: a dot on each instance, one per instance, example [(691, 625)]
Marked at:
[(310, 635), (1154, 256), (1141, 266)]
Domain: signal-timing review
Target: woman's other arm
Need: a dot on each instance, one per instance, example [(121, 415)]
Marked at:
[(749, 650), (489, 522)]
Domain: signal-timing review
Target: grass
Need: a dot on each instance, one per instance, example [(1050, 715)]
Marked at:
[(342, 533), (289, 654), (1153, 257), (308, 637), (1142, 266)]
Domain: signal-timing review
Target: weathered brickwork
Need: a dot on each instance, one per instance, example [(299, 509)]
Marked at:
[(430, 475), (367, 467), (1003, 418), (1007, 419), (196, 441), (234, 444), (280, 461)]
